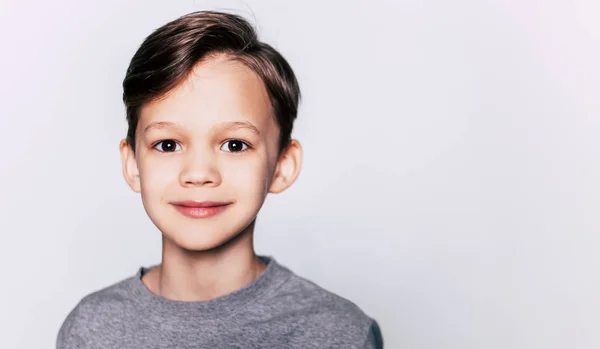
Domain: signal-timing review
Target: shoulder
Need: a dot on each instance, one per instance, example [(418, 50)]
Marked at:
[(324, 313), (106, 300), (308, 295), (95, 311)]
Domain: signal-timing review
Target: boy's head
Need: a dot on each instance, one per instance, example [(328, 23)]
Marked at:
[(210, 112)]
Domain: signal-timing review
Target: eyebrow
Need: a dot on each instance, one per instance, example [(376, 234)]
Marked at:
[(232, 125), (160, 125), (236, 125)]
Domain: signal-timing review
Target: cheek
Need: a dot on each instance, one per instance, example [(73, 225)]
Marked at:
[(155, 176), (248, 176)]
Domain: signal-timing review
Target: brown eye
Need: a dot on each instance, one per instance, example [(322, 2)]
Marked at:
[(167, 146), (234, 146)]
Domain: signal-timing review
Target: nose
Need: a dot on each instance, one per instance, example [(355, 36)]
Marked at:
[(200, 169)]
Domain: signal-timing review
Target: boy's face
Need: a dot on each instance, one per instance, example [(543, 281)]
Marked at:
[(210, 141)]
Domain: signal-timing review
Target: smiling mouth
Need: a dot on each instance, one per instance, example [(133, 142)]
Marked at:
[(206, 209)]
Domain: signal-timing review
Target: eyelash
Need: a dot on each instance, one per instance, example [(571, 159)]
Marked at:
[(248, 145)]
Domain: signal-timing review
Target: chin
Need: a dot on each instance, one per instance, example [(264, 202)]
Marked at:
[(203, 241), (227, 229)]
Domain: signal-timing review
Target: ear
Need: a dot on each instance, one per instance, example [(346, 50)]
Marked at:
[(288, 168), (130, 168)]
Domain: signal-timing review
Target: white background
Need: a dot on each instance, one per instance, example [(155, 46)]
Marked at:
[(451, 178)]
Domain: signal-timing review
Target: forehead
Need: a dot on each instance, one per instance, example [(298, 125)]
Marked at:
[(218, 90)]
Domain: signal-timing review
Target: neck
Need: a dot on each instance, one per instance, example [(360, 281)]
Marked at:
[(204, 275)]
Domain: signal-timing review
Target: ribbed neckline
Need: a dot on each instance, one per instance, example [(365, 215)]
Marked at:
[(271, 278)]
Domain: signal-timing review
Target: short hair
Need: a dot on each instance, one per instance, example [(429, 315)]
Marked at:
[(168, 55)]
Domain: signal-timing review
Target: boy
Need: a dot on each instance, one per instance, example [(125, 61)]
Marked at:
[(210, 111)]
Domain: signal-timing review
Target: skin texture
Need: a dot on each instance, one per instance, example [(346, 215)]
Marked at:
[(211, 138)]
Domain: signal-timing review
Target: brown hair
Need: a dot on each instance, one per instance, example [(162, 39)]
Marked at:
[(169, 54)]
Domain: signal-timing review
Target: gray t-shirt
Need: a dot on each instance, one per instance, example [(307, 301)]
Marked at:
[(278, 310)]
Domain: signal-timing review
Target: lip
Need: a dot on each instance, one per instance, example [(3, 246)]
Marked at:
[(203, 209)]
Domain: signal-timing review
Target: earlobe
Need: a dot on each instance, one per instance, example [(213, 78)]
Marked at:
[(130, 168), (288, 168)]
